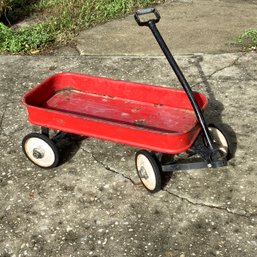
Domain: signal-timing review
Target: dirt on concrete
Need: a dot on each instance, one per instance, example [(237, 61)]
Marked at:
[(93, 204)]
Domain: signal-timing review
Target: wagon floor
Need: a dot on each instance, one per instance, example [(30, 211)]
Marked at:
[(150, 116)]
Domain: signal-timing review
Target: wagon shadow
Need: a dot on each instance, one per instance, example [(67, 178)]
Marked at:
[(68, 146), (213, 115), (214, 111)]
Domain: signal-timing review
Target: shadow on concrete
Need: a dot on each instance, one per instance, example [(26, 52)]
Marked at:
[(213, 116), (68, 146), (214, 111)]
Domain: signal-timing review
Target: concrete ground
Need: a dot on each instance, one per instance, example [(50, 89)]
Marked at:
[(93, 203), (188, 26)]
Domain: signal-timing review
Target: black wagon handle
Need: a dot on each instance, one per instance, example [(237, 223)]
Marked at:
[(146, 11), (217, 160)]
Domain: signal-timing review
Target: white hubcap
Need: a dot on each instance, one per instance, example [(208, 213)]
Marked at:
[(146, 172), (219, 140), (39, 152)]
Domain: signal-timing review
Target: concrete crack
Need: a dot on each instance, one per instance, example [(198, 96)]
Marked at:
[(1, 121), (108, 168), (212, 206), (4, 112), (204, 77)]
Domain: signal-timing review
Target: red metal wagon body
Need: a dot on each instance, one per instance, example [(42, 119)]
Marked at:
[(156, 118), (150, 117)]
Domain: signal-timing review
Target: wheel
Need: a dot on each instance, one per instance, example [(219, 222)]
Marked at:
[(221, 140), (148, 171), (40, 150)]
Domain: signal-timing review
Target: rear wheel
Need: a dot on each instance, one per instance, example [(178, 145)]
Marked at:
[(40, 150), (148, 171), (221, 140)]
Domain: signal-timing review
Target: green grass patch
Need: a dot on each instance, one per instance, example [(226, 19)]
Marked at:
[(60, 20), (248, 40), (24, 40)]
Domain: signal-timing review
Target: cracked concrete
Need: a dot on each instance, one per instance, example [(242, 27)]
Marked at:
[(217, 207), (110, 169), (93, 204), (206, 77)]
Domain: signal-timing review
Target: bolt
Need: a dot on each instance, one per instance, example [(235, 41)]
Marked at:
[(142, 173), (37, 154)]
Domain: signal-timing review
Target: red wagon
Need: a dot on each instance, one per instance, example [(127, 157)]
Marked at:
[(158, 119)]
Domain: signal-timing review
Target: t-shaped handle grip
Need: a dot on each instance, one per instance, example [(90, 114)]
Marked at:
[(146, 11)]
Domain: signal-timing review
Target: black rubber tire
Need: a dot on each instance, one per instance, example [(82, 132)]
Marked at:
[(48, 142), (154, 171)]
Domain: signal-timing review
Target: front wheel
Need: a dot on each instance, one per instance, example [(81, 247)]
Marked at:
[(40, 150), (148, 171)]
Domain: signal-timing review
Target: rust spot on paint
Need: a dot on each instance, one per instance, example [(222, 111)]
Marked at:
[(157, 105), (140, 122), (67, 98), (67, 90), (136, 109), (109, 96), (106, 98)]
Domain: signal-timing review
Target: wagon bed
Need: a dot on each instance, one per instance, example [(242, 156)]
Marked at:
[(151, 117)]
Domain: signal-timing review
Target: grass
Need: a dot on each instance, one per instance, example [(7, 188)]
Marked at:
[(60, 20), (248, 40), (24, 40)]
